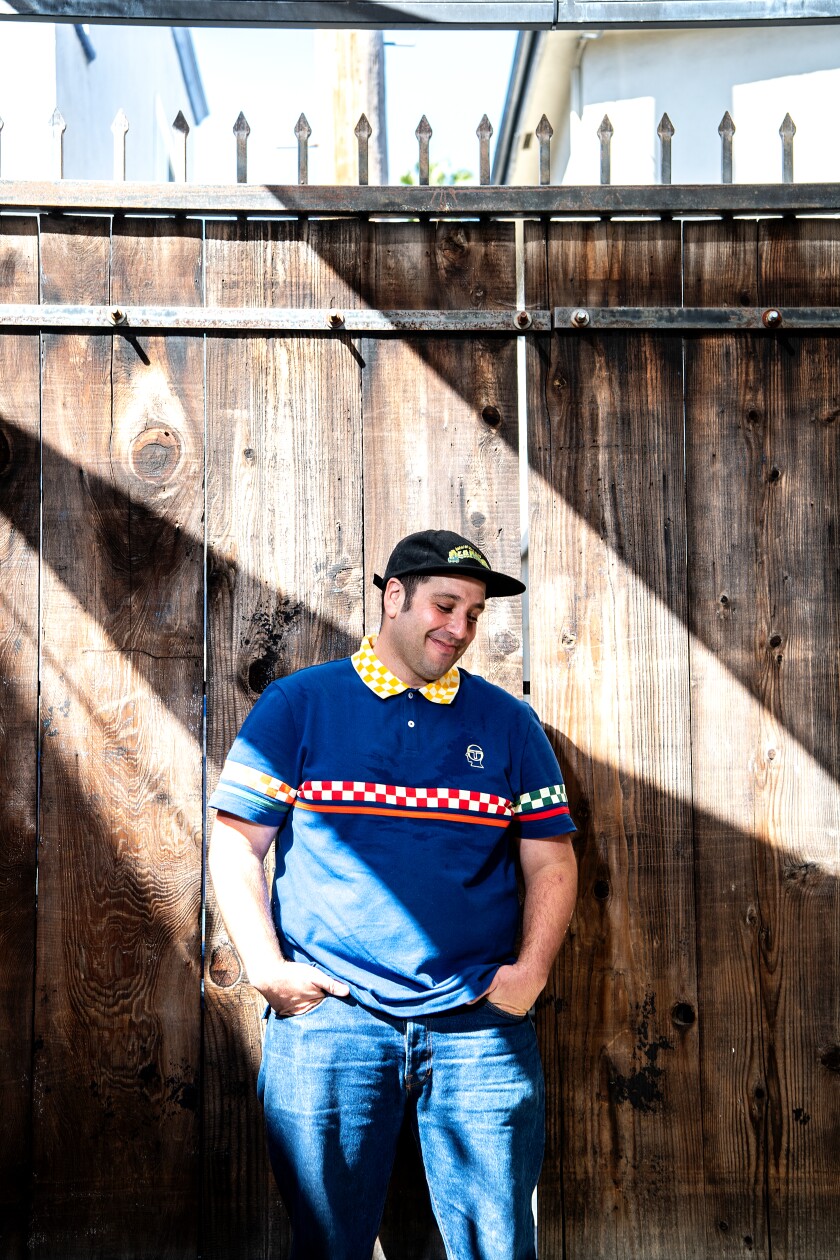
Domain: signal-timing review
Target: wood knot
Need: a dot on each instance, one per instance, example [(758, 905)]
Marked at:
[(830, 1058), (505, 642), (601, 889), (774, 474), (491, 416), (799, 872), (683, 1014), (155, 455), (775, 640), (225, 967)]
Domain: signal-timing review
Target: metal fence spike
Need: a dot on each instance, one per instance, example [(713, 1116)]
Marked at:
[(424, 135), (119, 128), (58, 127), (242, 131), (665, 131), (363, 132), (787, 131), (484, 131), (181, 129), (605, 135), (544, 131), (726, 131), (302, 133)]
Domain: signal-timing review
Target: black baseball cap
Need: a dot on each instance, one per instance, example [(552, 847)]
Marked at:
[(441, 551)]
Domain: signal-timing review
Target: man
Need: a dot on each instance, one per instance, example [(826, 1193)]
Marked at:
[(400, 790)]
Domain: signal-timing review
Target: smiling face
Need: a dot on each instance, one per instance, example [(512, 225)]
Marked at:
[(419, 643)]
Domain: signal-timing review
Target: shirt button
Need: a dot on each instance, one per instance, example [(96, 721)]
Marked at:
[(411, 695), (411, 724)]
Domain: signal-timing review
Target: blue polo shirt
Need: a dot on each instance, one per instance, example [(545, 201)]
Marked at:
[(396, 808)]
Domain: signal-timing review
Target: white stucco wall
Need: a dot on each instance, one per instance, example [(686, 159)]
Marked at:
[(758, 74), (44, 65), (133, 69)]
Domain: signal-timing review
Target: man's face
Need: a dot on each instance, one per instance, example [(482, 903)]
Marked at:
[(420, 643)]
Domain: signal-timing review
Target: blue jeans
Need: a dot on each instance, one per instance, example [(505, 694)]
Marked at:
[(335, 1084)]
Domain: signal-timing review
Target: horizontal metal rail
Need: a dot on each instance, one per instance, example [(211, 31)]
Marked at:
[(409, 201), (680, 319), (185, 319), (391, 14), (201, 319)]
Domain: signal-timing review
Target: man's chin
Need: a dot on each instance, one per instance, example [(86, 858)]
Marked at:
[(441, 660)]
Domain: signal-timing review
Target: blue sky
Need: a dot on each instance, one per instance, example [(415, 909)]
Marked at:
[(451, 76)]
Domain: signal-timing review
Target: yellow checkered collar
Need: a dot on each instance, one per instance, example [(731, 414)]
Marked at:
[(384, 684)]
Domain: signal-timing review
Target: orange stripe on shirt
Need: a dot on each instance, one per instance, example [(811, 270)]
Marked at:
[(404, 813)]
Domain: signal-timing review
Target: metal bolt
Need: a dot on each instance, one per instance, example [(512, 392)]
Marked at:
[(335, 319), (772, 318), (117, 316), (522, 319), (580, 318)]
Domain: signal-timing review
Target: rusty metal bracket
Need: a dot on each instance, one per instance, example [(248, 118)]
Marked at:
[(682, 319), (201, 319)]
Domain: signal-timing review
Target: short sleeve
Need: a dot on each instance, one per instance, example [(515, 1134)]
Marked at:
[(540, 805), (258, 778)]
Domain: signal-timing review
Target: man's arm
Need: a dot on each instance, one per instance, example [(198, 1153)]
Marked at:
[(237, 852), (549, 870)]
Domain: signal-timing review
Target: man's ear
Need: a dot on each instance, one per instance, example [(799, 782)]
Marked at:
[(393, 598)]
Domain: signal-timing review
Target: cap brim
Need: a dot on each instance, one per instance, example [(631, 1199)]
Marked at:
[(496, 584)]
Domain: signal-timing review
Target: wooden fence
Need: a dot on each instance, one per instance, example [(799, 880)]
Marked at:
[(189, 514)]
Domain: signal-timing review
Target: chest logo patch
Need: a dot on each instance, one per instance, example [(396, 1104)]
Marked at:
[(475, 756)]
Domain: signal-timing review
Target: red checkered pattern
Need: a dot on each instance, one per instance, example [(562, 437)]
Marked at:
[(346, 791)]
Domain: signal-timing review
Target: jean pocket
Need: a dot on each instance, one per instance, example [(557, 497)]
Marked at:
[(510, 1016), (310, 1010)]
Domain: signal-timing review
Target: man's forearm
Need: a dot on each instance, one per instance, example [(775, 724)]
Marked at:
[(549, 904), (549, 870), (242, 895)]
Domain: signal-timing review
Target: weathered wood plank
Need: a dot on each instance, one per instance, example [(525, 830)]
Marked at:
[(799, 858), (117, 992), (764, 500), (609, 677), (285, 556), (441, 423), (726, 437), (725, 423), (19, 544)]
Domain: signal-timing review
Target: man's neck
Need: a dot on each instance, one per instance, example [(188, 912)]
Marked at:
[(397, 666)]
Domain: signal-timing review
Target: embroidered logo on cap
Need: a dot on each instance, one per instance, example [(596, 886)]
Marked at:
[(457, 554), (475, 756)]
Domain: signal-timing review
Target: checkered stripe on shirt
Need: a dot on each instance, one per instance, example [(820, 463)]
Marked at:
[(542, 798), (347, 791), (237, 774)]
